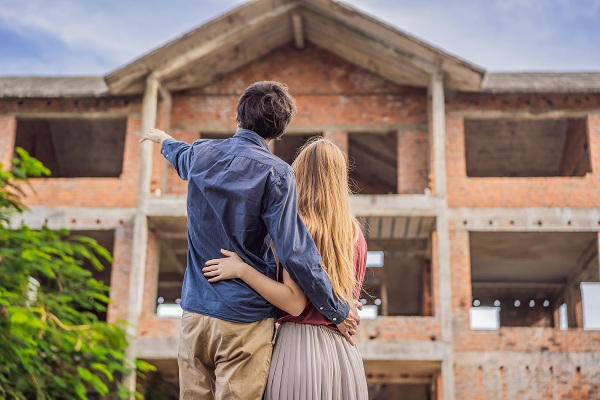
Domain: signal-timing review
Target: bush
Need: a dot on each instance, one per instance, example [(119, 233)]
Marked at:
[(52, 346)]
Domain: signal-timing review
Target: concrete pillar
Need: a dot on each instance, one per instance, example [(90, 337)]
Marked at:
[(8, 132), (167, 101), (438, 135), (140, 228), (339, 138), (438, 132)]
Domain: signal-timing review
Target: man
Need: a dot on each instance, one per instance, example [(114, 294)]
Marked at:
[(240, 197)]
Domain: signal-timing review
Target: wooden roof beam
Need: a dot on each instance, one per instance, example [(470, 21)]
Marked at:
[(298, 30), (361, 36), (177, 63)]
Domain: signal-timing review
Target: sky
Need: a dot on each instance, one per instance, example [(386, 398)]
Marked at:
[(78, 37)]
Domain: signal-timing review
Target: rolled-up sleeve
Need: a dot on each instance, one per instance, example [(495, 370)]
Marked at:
[(296, 249), (178, 154)]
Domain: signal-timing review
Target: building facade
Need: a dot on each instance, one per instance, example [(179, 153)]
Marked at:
[(482, 190)]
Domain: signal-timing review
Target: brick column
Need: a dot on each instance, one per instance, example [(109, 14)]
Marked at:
[(119, 279), (413, 168), (460, 259), (151, 276), (339, 138), (8, 130)]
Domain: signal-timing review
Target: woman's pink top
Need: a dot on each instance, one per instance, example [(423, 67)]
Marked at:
[(311, 315)]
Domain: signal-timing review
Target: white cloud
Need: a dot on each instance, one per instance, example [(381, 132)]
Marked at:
[(113, 32), (502, 34)]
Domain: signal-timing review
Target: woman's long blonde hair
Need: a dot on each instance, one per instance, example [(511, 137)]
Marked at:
[(322, 177)]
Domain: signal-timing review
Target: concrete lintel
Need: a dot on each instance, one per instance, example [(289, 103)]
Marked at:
[(66, 115), (166, 206), (157, 348), (399, 380), (403, 350), (74, 218), (526, 219), (522, 358), (493, 114), (395, 205), (165, 348), (362, 205), (304, 129)]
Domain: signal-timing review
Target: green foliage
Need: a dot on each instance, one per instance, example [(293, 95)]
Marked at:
[(49, 347)]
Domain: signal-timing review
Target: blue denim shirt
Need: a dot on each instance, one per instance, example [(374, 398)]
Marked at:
[(240, 196)]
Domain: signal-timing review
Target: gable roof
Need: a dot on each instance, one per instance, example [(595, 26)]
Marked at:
[(259, 26)]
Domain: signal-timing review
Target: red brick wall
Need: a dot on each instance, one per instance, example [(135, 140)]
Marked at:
[(339, 138), (515, 362), (503, 379), (119, 280), (79, 192), (506, 338), (413, 165), (95, 192), (329, 92), (400, 328), (519, 192), (8, 128)]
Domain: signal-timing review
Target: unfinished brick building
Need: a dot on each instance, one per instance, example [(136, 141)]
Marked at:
[(480, 189)]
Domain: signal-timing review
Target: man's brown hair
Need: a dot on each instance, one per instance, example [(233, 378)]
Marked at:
[(266, 108)]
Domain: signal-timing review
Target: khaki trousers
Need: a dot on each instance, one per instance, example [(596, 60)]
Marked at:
[(224, 360)]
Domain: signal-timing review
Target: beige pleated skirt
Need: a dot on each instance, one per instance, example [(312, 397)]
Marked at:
[(314, 362)]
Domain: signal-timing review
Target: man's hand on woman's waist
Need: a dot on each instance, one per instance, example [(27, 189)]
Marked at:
[(349, 326)]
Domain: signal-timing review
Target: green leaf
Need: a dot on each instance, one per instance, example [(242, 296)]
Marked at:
[(80, 390), (102, 368), (143, 366), (18, 316), (100, 386), (85, 374)]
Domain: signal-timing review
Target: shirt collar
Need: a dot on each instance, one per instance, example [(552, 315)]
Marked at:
[(253, 137)]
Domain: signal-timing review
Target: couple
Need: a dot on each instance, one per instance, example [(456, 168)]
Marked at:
[(248, 205)]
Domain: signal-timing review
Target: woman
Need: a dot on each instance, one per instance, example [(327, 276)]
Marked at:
[(311, 358)]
